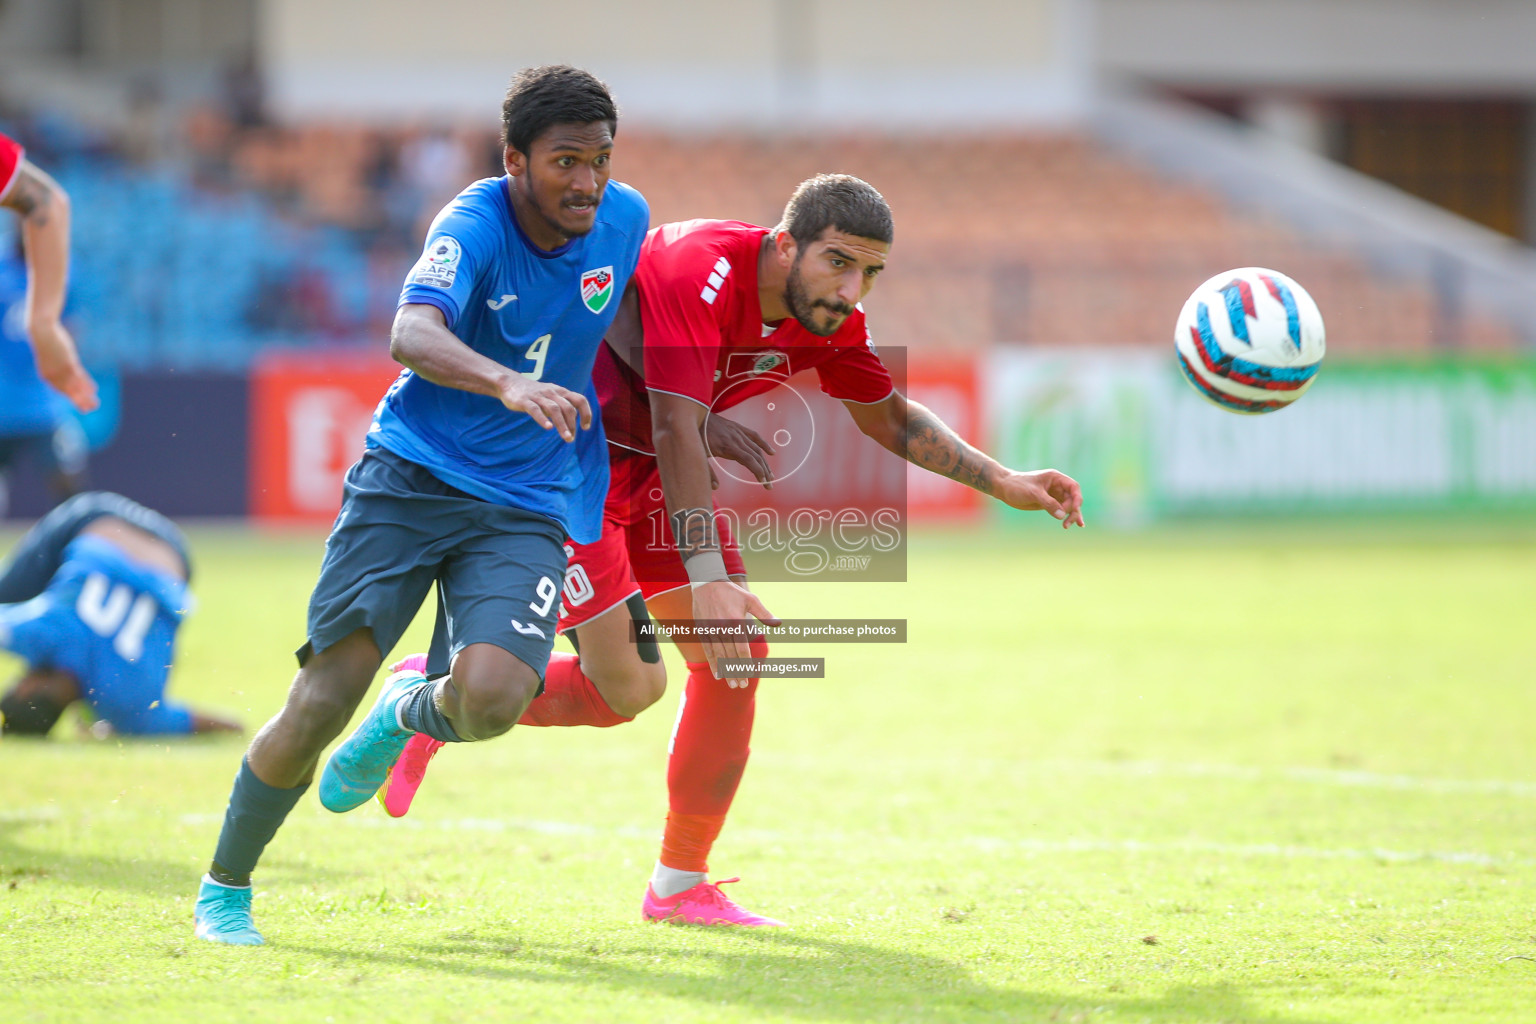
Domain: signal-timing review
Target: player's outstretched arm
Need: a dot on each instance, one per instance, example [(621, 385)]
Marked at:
[(197, 723), (685, 481), (912, 431), (421, 341), (44, 209), (202, 722)]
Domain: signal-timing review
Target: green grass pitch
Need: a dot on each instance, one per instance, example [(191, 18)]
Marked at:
[(1280, 773)]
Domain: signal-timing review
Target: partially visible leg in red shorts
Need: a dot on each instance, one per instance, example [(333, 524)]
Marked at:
[(712, 738), (602, 607)]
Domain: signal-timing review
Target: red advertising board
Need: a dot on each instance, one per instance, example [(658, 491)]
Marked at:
[(825, 462), (309, 414)]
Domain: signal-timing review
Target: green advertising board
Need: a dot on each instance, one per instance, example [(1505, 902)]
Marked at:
[(1370, 436)]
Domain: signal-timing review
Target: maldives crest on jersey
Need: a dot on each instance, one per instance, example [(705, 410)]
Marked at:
[(597, 288)]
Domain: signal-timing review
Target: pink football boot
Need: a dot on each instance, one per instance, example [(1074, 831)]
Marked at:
[(405, 777), (703, 904)]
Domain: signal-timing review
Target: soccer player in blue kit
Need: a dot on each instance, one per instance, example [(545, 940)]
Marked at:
[(483, 457), (35, 424), (35, 346), (91, 598)]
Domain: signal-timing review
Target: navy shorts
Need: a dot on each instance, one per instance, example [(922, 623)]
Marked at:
[(63, 449), (498, 569)]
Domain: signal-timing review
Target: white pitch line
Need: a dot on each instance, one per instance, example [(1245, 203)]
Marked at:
[(986, 843), (1284, 852), (1321, 776), (1145, 769), (867, 841)]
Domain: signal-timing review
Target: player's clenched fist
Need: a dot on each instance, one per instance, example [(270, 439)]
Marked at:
[(550, 405), (1044, 490)]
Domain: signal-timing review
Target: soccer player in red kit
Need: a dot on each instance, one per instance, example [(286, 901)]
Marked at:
[(709, 291)]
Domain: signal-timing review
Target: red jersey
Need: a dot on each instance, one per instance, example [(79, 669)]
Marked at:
[(10, 162), (705, 338)]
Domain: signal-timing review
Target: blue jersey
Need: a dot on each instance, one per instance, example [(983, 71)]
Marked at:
[(541, 313), (111, 623), (27, 405), (38, 555)]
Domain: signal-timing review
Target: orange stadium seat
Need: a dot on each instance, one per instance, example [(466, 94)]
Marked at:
[(1042, 239)]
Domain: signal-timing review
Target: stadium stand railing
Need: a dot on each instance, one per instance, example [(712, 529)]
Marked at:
[(1481, 285), (1046, 239)]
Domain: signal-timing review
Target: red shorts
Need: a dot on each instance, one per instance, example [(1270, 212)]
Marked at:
[(597, 579), (636, 552)]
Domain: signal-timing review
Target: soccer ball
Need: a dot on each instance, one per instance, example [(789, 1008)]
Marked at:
[(1250, 340)]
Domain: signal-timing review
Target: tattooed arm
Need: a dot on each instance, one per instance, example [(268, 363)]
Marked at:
[(912, 431), (44, 210)]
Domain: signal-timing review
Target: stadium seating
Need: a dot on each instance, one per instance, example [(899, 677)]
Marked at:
[(300, 236), (1039, 240), (169, 274)]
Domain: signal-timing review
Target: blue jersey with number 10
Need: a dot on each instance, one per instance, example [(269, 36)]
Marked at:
[(541, 313)]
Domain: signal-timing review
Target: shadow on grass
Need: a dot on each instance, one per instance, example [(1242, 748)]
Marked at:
[(782, 973), (27, 865), (23, 864)]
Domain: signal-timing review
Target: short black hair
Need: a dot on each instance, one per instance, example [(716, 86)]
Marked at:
[(841, 201), (549, 95)]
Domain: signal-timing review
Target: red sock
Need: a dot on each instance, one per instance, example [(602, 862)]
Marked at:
[(569, 698), (709, 753)]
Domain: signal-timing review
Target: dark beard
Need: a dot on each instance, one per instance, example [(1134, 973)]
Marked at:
[(803, 309)]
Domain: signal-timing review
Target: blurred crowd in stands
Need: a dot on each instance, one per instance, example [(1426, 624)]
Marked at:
[(204, 237)]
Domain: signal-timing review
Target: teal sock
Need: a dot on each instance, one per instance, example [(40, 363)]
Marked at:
[(417, 710), (256, 811)]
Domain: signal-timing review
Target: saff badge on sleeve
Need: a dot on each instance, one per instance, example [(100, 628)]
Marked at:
[(439, 264), (597, 288)]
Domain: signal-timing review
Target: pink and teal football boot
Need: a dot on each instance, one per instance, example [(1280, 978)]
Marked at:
[(359, 767), (405, 777)]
